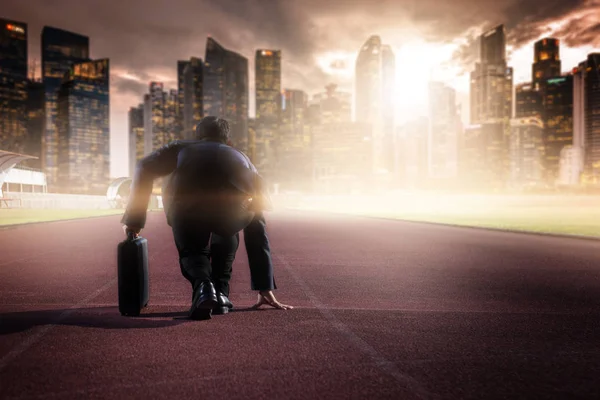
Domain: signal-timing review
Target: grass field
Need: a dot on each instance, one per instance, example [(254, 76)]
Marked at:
[(15, 216), (572, 222), (571, 216)]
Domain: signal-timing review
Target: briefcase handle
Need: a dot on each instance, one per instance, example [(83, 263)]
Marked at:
[(132, 236)]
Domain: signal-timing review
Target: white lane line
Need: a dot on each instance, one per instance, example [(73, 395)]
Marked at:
[(384, 364), (42, 331)]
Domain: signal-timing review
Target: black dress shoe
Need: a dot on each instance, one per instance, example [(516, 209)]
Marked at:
[(203, 301), (223, 306)]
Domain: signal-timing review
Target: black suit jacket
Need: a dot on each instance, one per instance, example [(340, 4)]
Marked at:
[(198, 169)]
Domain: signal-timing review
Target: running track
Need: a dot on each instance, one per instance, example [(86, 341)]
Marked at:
[(384, 310)]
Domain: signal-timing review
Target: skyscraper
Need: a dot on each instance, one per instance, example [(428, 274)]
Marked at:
[(294, 141), (334, 106), (592, 118), (226, 89), (268, 111), (557, 95), (375, 80), (528, 101), (491, 102), (268, 85), (13, 85), (546, 61), (155, 135), (136, 136), (293, 112), (83, 114), (369, 83), (443, 131), (411, 146), (193, 82), (60, 51), (483, 155), (388, 61), (342, 155), (527, 152), (493, 46), (170, 116), (181, 66), (35, 123)]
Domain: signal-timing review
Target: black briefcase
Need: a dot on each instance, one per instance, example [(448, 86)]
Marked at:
[(133, 275)]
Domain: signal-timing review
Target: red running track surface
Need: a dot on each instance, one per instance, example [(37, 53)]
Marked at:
[(384, 310)]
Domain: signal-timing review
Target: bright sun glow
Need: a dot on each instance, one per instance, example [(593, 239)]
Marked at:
[(417, 62)]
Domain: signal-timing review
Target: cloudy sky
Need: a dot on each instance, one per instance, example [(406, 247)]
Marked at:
[(432, 39)]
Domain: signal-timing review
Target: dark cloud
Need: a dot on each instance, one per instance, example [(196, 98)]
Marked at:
[(145, 38), (124, 86), (148, 37), (528, 20), (524, 22), (579, 32)]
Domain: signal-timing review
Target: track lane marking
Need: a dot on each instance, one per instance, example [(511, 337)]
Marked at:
[(32, 339), (378, 359)]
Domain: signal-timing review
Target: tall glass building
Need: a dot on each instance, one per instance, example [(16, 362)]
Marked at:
[(136, 136), (267, 77), (443, 132), (226, 90), (558, 121), (83, 127), (527, 152), (35, 123), (13, 85), (546, 61), (60, 51), (492, 102), (181, 66), (268, 85), (592, 118), (294, 153), (154, 118), (528, 101), (193, 82), (171, 125), (375, 81), (333, 105)]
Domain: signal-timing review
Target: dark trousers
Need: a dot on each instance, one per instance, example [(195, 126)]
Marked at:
[(204, 255)]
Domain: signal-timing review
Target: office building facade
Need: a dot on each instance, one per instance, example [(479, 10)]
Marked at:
[(546, 62), (442, 132), (35, 123), (136, 136), (527, 150), (13, 86), (374, 86), (528, 101), (193, 93), (591, 70), (226, 89), (83, 127), (60, 51), (557, 95)]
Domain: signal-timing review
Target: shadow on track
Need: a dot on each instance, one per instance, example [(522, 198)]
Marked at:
[(178, 315), (101, 317)]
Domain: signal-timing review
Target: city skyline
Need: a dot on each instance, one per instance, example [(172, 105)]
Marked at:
[(306, 63)]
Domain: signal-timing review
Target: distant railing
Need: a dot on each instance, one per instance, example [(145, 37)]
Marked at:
[(24, 168)]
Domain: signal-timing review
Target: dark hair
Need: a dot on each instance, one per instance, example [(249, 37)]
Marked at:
[(213, 128)]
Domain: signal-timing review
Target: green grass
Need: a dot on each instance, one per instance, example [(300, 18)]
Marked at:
[(21, 216), (584, 222), (581, 219)]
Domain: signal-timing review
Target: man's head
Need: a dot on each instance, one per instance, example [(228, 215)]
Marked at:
[(213, 129)]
